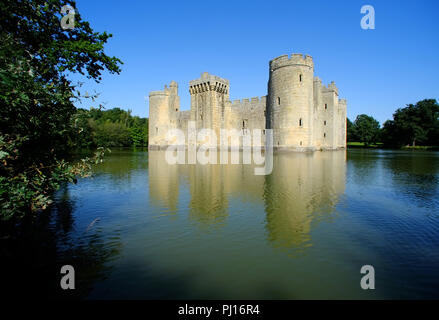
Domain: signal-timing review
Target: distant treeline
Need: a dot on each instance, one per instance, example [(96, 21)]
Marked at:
[(109, 128), (414, 125)]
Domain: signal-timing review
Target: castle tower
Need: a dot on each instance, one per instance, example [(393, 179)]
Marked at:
[(209, 95), (163, 112), (329, 114), (290, 110), (342, 106)]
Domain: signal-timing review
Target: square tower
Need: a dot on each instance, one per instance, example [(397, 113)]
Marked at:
[(209, 95)]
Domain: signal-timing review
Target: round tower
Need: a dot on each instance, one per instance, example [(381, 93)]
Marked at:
[(158, 117), (290, 101)]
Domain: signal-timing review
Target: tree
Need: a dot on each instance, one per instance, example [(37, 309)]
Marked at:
[(109, 128), (36, 99), (367, 129), (137, 136), (351, 131), (413, 125)]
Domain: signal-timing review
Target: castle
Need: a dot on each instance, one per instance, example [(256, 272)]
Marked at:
[(304, 114)]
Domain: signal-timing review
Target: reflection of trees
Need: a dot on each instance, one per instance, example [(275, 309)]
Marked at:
[(364, 163), (32, 254), (121, 164), (414, 174), (411, 174)]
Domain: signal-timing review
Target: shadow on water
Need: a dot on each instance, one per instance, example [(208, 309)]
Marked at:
[(34, 252)]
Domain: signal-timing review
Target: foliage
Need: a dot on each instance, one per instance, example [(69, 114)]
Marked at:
[(30, 190), (365, 129), (413, 125), (36, 99), (351, 132), (110, 128)]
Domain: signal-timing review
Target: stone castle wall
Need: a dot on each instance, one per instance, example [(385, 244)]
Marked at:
[(305, 115)]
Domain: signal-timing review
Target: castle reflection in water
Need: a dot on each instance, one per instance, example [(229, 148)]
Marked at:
[(303, 187)]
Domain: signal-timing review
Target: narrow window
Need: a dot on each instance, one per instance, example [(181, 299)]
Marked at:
[(263, 131), (324, 135), (300, 122), (278, 101), (201, 116), (326, 106), (324, 122), (300, 142), (245, 123), (176, 109), (300, 78)]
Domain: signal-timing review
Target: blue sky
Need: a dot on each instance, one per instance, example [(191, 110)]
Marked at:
[(377, 71)]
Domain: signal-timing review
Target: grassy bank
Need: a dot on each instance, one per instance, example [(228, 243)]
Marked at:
[(420, 148), (380, 145), (362, 145)]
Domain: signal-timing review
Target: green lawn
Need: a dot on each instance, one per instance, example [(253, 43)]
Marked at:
[(380, 145), (361, 145), (420, 148)]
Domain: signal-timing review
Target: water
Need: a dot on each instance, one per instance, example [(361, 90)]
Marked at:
[(221, 232)]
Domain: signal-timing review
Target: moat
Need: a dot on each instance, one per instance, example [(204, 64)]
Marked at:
[(218, 231)]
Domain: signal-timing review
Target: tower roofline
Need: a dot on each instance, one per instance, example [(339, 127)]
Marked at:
[(206, 77), (293, 59)]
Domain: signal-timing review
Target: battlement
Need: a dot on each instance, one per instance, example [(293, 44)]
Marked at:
[(294, 59), (253, 101), (330, 88), (159, 93), (317, 79), (292, 109), (173, 87), (208, 82)]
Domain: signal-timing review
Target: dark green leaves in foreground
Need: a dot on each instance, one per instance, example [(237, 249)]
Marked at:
[(36, 100)]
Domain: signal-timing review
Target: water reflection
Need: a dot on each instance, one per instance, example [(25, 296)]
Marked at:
[(33, 253), (303, 187), (412, 175)]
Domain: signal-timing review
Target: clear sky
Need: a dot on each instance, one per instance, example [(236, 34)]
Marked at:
[(377, 71)]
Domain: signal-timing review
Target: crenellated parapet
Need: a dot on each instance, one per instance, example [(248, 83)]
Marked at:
[(159, 93), (173, 89), (208, 82), (330, 88), (302, 112), (317, 80), (254, 100), (293, 60)]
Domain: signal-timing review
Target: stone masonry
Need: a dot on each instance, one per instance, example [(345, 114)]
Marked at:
[(305, 115)]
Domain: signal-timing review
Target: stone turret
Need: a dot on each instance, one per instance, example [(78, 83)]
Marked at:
[(304, 114), (163, 111), (290, 101), (209, 95)]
